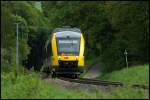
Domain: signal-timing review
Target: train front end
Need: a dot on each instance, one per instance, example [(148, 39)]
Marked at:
[(68, 51)]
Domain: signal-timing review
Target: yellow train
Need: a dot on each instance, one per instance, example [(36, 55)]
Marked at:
[(67, 51)]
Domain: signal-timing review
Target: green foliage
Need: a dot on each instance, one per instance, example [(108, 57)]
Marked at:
[(129, 21), (9, 37), (135, 74), (31, 24), (31, 86), (7, 59)]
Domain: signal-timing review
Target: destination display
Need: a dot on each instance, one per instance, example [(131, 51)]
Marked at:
[(68, 41)]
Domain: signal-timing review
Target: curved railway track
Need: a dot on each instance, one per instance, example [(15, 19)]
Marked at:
[(102, 83)]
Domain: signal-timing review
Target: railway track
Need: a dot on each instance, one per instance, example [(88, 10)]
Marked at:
[(102, 83)]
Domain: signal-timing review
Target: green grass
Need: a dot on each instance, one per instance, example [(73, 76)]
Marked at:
[(32, 87), (128, 93), (135, 74)]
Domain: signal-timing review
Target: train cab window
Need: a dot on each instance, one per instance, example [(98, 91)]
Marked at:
[(68, 46)]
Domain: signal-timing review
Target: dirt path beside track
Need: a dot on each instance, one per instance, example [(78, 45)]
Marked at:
[(93, 72)]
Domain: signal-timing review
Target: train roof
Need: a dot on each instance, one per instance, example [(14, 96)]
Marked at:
[(66, 29)]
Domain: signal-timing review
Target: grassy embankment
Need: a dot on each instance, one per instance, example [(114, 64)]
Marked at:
[(135, 74), (31, 86)]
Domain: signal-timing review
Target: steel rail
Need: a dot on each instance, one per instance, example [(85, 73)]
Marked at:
[(101, 82)]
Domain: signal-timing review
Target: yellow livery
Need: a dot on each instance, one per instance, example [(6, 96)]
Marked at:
[(67, 51)]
